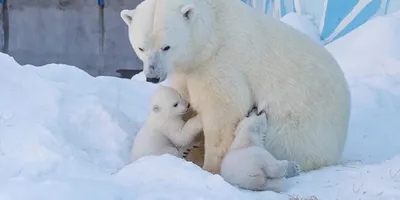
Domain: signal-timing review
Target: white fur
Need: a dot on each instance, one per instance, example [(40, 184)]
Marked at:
[(164, 130), (247, 164), (225, 57)]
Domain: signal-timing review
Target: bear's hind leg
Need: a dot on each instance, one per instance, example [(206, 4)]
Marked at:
[(218, 135), (277, 169), (216, 146)]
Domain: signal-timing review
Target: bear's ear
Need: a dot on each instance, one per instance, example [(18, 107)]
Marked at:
[(188, 11), (156, 108), (127, 16)]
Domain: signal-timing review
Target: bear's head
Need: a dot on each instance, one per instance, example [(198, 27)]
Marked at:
[(167, 103), (167, 35)]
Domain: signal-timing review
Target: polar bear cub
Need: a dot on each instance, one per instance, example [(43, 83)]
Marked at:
[(164, 130), (248, 165)]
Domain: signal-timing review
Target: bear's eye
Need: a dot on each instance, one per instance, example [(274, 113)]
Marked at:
[(166, 48), (176, 105), (141, 49)]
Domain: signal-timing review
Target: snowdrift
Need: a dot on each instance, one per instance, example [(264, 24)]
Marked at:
[(67, 135), (304, 24)]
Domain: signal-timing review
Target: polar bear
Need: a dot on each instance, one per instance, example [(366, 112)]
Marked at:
[(164, 130), (223, 57), (248, 165)]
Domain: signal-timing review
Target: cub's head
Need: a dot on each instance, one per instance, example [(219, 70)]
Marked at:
[(161, 34), (255, 123), (167, 103)]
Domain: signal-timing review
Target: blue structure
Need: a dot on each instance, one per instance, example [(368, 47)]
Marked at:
[(100, 2), (387, 6), (351, 13), (283, 7), (361, 17), (341, 10), (335, 12)]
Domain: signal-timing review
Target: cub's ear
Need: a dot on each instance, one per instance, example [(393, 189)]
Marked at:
[(156, 108), (127, 16), (188, 12)]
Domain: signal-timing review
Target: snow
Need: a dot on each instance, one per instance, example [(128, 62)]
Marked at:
[(139, 77), (372, 66), (67, 135)]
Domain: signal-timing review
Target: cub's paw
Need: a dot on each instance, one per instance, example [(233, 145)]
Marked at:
[(292, 170), (262, 113), (253, 111)]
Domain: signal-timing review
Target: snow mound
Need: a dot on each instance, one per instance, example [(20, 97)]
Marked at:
[(139, 77), (370, 58), (58, 115), (66, 135), (179, 179), (303, 24)]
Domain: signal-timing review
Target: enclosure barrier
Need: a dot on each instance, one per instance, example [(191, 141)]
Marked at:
[(84, 33), (92, 36)]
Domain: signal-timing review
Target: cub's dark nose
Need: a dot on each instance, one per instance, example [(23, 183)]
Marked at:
[(153, 80), (188, 106)]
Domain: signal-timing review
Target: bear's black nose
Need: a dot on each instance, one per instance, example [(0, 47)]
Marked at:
[(153, 80), (188, 106)]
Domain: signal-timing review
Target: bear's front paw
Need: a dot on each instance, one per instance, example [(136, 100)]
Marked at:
[(212, 165), (292, 170)]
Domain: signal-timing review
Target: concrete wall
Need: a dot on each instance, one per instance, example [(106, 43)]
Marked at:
[(75, 32)]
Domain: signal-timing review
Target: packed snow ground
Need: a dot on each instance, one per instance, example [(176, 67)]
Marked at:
[(67, 135)]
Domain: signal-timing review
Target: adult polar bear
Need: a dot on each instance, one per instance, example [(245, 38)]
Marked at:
[(223, 57)]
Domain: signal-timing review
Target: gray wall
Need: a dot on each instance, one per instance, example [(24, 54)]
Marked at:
[(74, 32)]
